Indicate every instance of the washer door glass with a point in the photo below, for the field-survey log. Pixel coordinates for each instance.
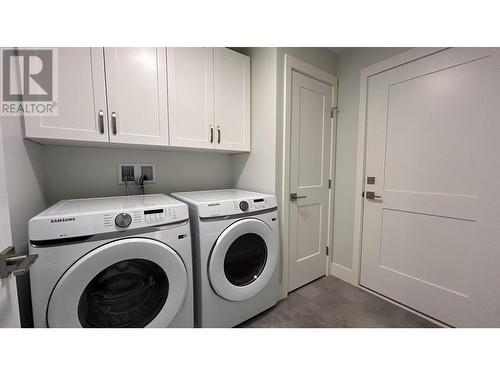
(243, 259)
(129, 293)
(132, 282)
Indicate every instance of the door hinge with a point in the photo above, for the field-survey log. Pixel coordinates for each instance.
(327, 251)
(329, 183)
(333, 111)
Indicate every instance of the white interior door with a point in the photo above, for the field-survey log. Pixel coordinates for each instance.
(310, 133)
(231, 100)
(9, 306)
(431, 240)
(81, 103)
(191, 97)
(137, 99)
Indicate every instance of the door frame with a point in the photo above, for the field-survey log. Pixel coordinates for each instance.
(353, 276)
(294, 64)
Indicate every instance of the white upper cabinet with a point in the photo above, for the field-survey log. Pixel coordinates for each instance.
(190, 97)
(136, 91)
(81, 104)
(231, 100)
(180, 97)
(209, 98)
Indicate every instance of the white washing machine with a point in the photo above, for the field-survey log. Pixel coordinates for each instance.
(112, 262)
(235, 254)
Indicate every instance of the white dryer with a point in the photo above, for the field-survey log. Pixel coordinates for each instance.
(112, 262)
(235, 254)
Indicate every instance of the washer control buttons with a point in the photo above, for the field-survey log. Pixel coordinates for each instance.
(244, 206)
(123, 220)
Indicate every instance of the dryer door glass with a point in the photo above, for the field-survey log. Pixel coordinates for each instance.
(245, 259)
(129, 293)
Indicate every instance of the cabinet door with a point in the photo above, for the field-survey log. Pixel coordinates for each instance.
(232, 100)
(81, 99)
(137, 100)
(190, 97)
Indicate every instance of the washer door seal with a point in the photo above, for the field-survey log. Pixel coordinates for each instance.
(118, 274)
(243, 259)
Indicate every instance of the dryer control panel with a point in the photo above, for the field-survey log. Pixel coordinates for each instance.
(234, 207)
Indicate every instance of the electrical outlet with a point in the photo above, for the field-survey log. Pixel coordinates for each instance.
(127, 173)
(147, 172)
(132, 171)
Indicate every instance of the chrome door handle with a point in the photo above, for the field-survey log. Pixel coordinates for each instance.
(294, 196)
(101, 121)
(218, 134)
(10, 263)
(113, 122)
(211, 134)
(371, 195)
(24, 266)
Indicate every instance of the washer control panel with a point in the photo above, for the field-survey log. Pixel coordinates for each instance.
(244, 206)
(160, 216)
(154, 216)
(123, 220)
(146, 218)
(84, 217)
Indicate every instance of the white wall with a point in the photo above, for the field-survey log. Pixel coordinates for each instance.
(257, 170)
(349, 65)
(9, 316)
(23, 172)
(260, 170)
(81, 172)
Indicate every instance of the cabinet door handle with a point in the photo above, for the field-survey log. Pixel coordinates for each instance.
(218, 134)
(101, 121)
(211, 134)
(113, 122)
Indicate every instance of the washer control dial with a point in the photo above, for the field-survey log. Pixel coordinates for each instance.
(123, 220)
(244, 206)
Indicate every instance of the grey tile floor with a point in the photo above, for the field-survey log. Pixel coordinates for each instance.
(331, 302)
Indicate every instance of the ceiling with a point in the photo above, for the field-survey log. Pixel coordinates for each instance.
(337, 49)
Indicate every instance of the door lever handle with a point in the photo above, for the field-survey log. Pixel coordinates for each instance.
(371, 195)
(294, 196)
(17, 265)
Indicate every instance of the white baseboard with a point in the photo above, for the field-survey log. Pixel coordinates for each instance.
(343, 273)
